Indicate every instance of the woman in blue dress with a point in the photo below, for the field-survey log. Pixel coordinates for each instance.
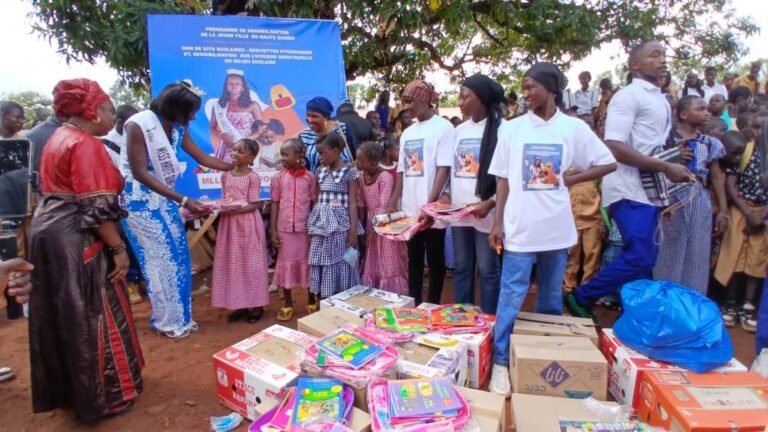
(154, 226)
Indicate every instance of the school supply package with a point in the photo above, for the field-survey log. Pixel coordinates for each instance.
(433, 356)
(359, 300)
(447, 212)
(397, 226)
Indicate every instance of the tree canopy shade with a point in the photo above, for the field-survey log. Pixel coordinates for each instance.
(397, 40)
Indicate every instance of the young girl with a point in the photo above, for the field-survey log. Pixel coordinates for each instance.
(333, 224)
(390, 156)
(240, 280)
(685, 247)
(293, 190)
(385, 260)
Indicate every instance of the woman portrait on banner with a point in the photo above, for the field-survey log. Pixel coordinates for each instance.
(319, 113)
(154, 226)
(233, 114)
(84, 350)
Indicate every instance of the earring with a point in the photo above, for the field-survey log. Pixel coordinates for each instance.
(97, 120)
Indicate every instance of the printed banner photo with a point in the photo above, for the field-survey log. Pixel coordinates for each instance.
(257, 74)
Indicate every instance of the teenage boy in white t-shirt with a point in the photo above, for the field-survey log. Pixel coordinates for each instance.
(538, 156)
(422, 172)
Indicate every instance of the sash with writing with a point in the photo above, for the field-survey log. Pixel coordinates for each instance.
(224, 124)
(160, 151)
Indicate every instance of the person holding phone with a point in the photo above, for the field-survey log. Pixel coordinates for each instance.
(84, 350)
(15, 280)
(154, 226)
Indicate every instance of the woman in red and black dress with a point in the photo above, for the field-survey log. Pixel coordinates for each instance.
(84, 349)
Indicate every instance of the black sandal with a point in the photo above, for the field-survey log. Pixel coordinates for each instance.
(236, 315)
(255, 315)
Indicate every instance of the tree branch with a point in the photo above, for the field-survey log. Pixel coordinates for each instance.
(485, 30)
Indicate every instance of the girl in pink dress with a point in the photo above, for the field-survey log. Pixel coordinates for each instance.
(293, 190)
(385, 260)
(240, 281)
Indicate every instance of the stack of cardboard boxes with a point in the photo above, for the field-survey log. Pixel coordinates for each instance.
(252, 374)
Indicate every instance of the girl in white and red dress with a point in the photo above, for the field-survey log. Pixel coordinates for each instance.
(240, 281)
(385, 260)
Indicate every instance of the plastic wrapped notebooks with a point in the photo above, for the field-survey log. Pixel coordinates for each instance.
(279, 418)
(399, 230)
(351, 348)
(385, 335)
(340, 370)
(418, 405)
(458, 319)
(447, 212)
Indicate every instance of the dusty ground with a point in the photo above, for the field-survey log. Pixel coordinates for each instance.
(179, 384)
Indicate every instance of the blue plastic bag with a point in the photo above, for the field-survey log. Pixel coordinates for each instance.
(674, 324)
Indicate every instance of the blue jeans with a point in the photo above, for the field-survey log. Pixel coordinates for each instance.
(637, 224)
(515, 280)
(761, 339)
(470, 248)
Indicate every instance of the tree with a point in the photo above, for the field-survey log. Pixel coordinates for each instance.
(37, 107)
(398, 40)
(123, 94)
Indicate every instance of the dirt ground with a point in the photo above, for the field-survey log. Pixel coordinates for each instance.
(179, 382)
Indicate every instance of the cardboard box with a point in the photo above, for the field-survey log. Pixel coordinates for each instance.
(359, 300)
(418, 358)
(487, 409)
(549, 414)
(713, 402)
(479, 351)
(569, 367)
(259, 368)
(626, 367)
(555, 325)
(359, 421)
(327, 320)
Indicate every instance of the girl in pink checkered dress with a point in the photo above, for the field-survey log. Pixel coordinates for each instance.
(240, 280)
(386, 261)
(293, 191)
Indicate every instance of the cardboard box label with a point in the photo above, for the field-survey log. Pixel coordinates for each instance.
(732, 398)
(554, 375)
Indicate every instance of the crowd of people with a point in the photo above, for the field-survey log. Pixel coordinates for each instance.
(576, 192)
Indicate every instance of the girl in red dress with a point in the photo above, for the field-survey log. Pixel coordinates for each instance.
(240, 280)
(385, 260)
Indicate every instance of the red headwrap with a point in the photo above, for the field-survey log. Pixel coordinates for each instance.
(78, 97)
(418, 90)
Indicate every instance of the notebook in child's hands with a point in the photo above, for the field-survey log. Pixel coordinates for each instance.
(318, 399)
(354, 350)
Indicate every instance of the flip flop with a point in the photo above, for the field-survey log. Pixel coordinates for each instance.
(312, 308)
(285, 314)
(6, 373)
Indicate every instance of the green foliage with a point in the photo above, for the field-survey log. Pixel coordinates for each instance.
(37, 106)
(136, 96)
(394, 41)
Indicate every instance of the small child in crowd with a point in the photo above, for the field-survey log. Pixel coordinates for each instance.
(686, 233)
(744, 245)
(333, 223)
(386, 261)
(293, 190)
(391, 155)
(584, 257)
(240, 280)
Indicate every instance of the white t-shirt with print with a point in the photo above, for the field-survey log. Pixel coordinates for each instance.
(532, 154)
(424, 146)
(464, 170)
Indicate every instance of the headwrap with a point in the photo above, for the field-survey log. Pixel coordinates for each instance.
(491, 95)
(418, 90)
(321, 106)
(78, 97)
(549, 76)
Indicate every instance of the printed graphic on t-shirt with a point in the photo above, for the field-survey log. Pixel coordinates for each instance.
(466, 159)
(414, 158)
(541, 166)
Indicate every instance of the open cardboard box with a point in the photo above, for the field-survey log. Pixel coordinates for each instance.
(549, 414)
(259, 368)
(487, 408)
(528, 323)
(360, 300)
(570, 367)
(417, 358)
(327, 320)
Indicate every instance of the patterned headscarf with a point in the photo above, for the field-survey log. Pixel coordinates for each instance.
(78, 97)
(418, 90)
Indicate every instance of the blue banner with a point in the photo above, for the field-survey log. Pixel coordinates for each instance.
(258, 75)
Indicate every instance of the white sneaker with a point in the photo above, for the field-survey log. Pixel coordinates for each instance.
(273, 288)
(500, 381)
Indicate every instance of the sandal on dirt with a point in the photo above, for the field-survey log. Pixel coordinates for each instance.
(312, 308)
(285, 314)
